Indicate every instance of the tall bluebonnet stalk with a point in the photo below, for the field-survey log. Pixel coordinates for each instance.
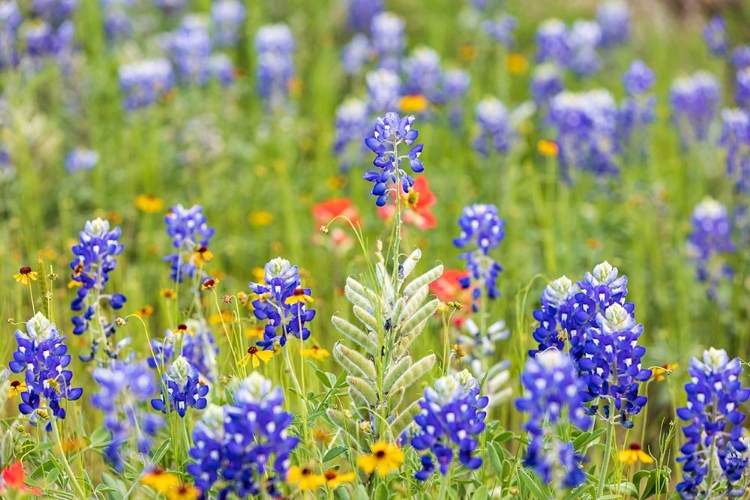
(144, 83)
(552, 400)
(195, 342)
(709, 241)
(449, 424)
(546, 82)
(424, 75)
(716, 37)
(481, 358)
(42, 356)
(351, 124)
(694, 102)
(613, 16)
(361, 12)
(282, 304)
(735, 140)
(740, 57)
(501, 29)
(495, 131)
(383, 89)
(227, 17)
(181, 388)
(742, 88)
(117, 22)
(243, 447)
(637, 110)
(355, 54)
(598, 326)
(191, 236)
(714, 455)
(274, 48)
(94, 260)
(552, 42)
(583, 40)
(483, 229)
(457, 84)
(81, 159)
(388, 40)
(124, 389)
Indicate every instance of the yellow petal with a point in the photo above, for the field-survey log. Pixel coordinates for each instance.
(294, 474)
(645, 457)
(366, 463)
(256, 361)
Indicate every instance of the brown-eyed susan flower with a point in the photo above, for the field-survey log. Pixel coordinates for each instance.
(334, 479)
(209, 284)
(182, 328)
(145, 311)
(385, 458)
(305, 478)
(184, 492)
(168, 293)
(160, 480)
(457, 353)
(315, 353)
(517, 63)
(255, 356)
(16, 388)
(660, 372)
(634, 454)
(260, 218)
(149, 204)
(299, 297)
(547, 148)
(414, 103)
(25, 275)
(322, 435)
(202, 255)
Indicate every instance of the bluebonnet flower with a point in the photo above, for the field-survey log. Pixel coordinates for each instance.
(501, 30)
(42, 41)
(714, 434)
(227, 17)
(42, 356)
(482, 226)
(221, 69)
(355, 54)
(282, 303)
(190, 235)
(81, 159)
(551, 386)
(741, 57)
(637, 110)
(387, 34)
(171, 7)
(389, 132)
(715, 36)
(583, 40)
(451, 418)
(7, 170)
(694, 101)
(361, 13)
(351, 125)
(117, 23)
(123, 388)
(613, 17)
(189, 48)
(181, 389)
(455, 87)
(742, 88)
(735, 140)
(424, 76)
(10, 20)
(274, 47)
(54, 12)
(194, 341)
(143, 83)
(243, 441)
(710, 238)
(586, 125)
(592, 317)
(93, 262)
(552, 42)
(546, 82)
(494, 126)
(383, 90)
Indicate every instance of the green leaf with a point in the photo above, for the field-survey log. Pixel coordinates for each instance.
(381, 493)
(495, 461)
(161, 450)
(502, 437)
(100, 438)
(530, 485)
(323, 379)
(480, 493)
(586, 438)
(334, 452)
(360, 493)
(651, 485)
(44, 469)
(114, 483)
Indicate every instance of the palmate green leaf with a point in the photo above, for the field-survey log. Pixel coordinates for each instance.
(530, 486)
(100, 438)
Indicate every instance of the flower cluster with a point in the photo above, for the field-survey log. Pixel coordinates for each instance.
(694, 101)
(238, 444)
(742, 87)
(390, 131)
(227, 17)
(574, 49)
(424, 75)
(117, 24)
(501, 29)
(546, 82)
(274, 47)
(716, 37)
(714, 434)
(93, 262)
(613, 17)
(482, 226)
(43, 357)
(451, 416)
(551, 386)
(600, 328)
(494, 127)
(388, 41)
(383, 89)
(637, 110)
(143, 83)
(586, 125)
(735, 140)
(351, 124)
(123, 388)
(81, 159)
(282, 303)
(189, 48)
(711, 237)
(361, 13)
(190, 235)
(181, 389)
(194, 341)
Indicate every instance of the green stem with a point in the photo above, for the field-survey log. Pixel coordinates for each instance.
(605, 461)
(298, 388)
(66, 465)
(444, 486)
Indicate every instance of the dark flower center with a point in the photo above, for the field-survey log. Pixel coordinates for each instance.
(635, 446)
(380, 453)
(252, 350)
(25, 270)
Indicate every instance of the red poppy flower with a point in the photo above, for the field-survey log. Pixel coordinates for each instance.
(418, 205)
(339, 207)
(14, 477)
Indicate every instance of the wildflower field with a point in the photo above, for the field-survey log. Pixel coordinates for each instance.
(354, 249)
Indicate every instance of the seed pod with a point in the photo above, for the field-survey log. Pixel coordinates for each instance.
(411, 262)
(420, 315)
(415, 372)
(366, 318)
(405, 418)
(395, 399)
(354, 362)
(365, 388)
(355, 334)
(424, 279)
(348, 425)
(394, 372)
(412, 304)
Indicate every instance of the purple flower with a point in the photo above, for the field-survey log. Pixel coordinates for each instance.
(383, 90)
(501, 30)
(227, 17)
(361, 13)
(546, 82)
(494, 127)
(715, 36)
(694, 101)
(735, 139)
(274, 48)
(81, 159)
(190, 233)
(710, 238)
(613, 17)
(143, 83)
(351, 124)
(181, 389)
(552, 42)
(356, 54)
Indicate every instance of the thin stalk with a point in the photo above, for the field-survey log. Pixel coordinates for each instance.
(66, 465)
(605, 461)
